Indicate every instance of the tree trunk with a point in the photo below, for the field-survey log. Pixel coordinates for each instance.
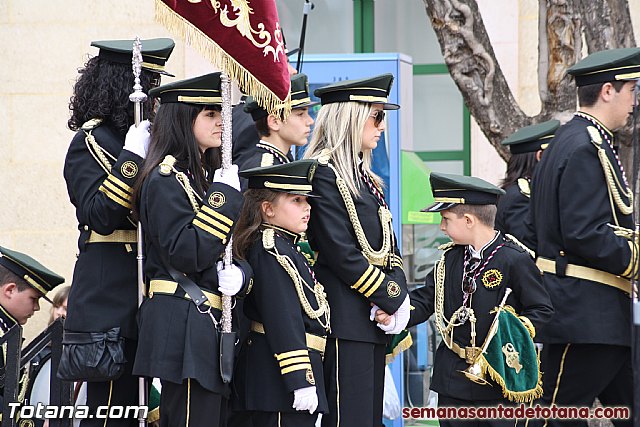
(472, 64)
(559, 33)
(468, 53)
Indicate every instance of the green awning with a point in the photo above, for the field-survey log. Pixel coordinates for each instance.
(416, 191)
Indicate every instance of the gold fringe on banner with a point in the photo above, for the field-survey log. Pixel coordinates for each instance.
(248, 83)
(514, 396)
(403, 345)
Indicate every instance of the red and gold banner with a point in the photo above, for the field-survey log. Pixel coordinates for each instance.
(241, 37)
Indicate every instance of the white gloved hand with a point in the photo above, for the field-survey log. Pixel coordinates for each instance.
(137, 139)
(399, 319)
(230, 279)
(229, 177)
(372, 313)
(305, 399)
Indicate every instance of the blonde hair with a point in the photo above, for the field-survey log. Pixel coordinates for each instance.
(338, 129)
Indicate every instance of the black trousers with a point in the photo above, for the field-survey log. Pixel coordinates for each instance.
(121, 392)
(189, 404)
(354, 378)
(575, 374)
(450, 402)
(283, 419)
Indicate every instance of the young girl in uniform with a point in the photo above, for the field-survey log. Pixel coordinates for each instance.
(358, 259)
(279, 376)
(188, 209)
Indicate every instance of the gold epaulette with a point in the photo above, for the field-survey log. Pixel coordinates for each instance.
(91, 124)
(268, 239)
(522, 245)
(166, 167)
(596, 138)
(445, 246)
(324, 157)
(267, 160)
(523, 185)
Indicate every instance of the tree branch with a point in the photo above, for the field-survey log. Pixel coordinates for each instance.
(473, 66)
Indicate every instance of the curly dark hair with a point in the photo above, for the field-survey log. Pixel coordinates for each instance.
(102, 92)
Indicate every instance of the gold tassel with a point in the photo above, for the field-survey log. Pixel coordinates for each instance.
(402, 346)
(513, 396)
(192, 36)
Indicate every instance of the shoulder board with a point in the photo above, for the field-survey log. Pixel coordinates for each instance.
(323, 158)
(596, 138)
(166, 167)
(91, 124)
(519, 245)
(268, 239)
(267, 160)
(523, 185)
(446, 246)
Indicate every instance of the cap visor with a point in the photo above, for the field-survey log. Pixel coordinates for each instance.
(303, 194)
(308, 104)
(164, 73)
(438, 207)
(390, 106)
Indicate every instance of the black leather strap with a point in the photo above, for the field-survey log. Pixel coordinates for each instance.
(188, 286)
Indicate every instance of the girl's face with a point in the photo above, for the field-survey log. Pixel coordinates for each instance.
(60, 310)
(373, 128)
(207, 129)
(289, 211)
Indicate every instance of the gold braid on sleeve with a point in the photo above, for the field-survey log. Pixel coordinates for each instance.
(191, 193)
(299, 283)
(382, 256)
(444, 326)
(98, 153)
(615, 186)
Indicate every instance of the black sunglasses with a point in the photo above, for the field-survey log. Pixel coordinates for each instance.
(155, 81)
(469, 285)
(378, 117)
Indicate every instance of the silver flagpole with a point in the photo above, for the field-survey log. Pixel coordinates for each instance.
(226, 164)
(138, 97)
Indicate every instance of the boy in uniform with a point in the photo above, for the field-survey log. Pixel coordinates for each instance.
(582, 217)
(468, 282)
(278, 136)
(23, 281)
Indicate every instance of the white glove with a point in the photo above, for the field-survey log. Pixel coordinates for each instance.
(305, 399)
(399, 319)
(230, 279)
(137, 139)
(372, 313)
(229, 177)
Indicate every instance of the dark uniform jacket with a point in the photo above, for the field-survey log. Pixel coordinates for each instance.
(571, 212)
(6, 323)
(244, 134)
(352, 282)
(262, 154)
(513, 209)
(104, 291)
(509, 267)
(176, 340)
(275, 363)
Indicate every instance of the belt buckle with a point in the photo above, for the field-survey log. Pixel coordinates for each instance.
(471, 354)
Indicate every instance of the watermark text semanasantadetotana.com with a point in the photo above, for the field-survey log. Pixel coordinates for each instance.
(41, 411)
(518, 412)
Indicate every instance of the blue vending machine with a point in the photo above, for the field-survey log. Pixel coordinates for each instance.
(326, 69)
